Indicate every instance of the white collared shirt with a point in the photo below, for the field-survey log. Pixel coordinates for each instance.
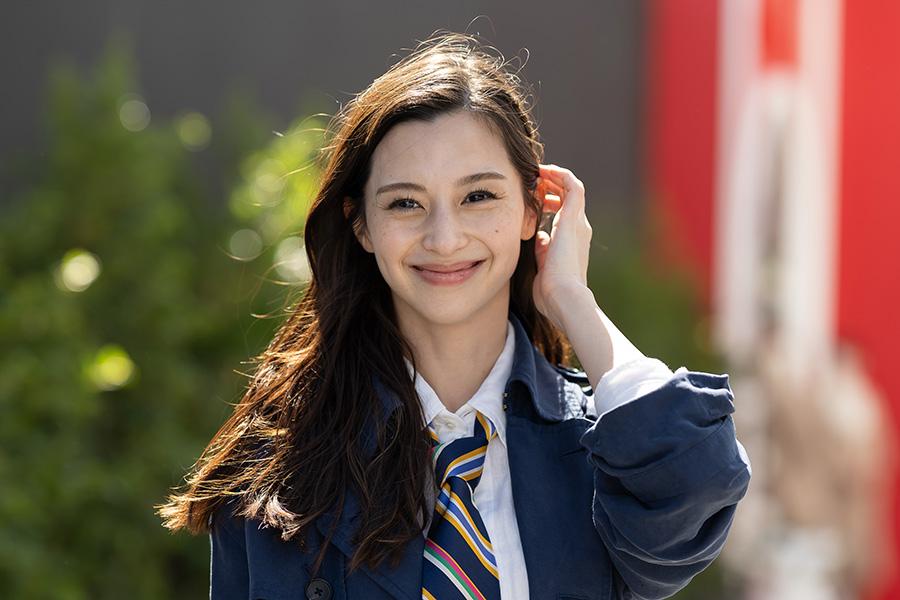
(493, 496)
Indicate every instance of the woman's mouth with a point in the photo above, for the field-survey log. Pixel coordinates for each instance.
(447, 274)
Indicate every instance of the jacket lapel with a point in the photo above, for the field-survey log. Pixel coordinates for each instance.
(552, 494)
(403, 582)
(552, 485)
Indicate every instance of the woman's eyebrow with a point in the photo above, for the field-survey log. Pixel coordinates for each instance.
(400, 185)
(462, 182)
(476, 177)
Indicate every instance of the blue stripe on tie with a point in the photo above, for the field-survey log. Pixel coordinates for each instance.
(479, 538)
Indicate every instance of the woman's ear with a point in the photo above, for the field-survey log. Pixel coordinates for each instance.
(530, 219)
(529, 224)
(358, 225)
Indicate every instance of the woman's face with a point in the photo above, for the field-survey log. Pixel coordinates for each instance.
(444, 217)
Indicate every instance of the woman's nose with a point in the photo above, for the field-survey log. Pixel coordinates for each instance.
(445, 232)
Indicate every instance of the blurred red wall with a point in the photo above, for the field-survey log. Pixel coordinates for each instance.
(869, 271)
(681, 154)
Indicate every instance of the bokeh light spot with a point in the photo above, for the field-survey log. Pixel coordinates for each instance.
(268, 182)
(270, 173)
(260, 192)
(77, 271)
(111, 369)
(245, 244)
(291, 262)
(194, 131)
(133, 112)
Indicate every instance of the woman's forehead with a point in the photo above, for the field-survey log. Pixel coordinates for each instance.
(450, 147)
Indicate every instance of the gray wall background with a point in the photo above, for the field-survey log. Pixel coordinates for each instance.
(585, 64)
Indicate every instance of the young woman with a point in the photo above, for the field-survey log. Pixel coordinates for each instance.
(430, 335)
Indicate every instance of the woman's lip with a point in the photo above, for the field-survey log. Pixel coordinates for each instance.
(447, 274)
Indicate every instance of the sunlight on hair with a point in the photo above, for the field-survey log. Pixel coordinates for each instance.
(194, 131)
(111, 368)
(77, 271)
(133, 112)
(290, 260)
(245, 244)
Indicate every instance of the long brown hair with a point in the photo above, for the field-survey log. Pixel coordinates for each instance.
(331, 408)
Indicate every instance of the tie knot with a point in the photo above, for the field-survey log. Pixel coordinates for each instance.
(463, 457)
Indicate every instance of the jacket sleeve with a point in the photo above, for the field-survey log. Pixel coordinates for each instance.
(668, 475)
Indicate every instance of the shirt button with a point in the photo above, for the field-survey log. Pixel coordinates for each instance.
(450, 425)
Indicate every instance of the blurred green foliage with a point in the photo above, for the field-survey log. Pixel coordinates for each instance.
(128, 289)
(123, 317)
(658, 309)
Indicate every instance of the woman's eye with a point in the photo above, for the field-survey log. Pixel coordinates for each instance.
(404, 204)
(480, 196)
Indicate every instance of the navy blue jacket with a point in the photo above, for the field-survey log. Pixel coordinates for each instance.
(630, 506)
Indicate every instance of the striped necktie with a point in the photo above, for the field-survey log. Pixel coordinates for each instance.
(459, 559)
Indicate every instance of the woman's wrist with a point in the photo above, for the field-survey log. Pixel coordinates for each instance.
(597, 342)
(567, 305)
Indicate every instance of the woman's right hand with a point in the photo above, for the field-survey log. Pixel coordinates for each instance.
(561, 292)
(562, 254)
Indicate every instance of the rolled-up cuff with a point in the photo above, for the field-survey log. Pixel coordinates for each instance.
(629, 381)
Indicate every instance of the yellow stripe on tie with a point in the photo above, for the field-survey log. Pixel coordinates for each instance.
(474, 454)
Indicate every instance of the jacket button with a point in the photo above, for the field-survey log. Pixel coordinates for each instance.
(318, 589)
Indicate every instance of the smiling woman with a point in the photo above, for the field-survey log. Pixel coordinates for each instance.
(445, 215)
(410, 431)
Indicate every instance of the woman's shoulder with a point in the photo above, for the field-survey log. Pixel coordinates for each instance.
(250, 558)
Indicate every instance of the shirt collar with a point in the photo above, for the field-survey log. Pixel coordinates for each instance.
(489, 398)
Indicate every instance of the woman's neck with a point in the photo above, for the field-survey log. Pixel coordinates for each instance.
(456, 359)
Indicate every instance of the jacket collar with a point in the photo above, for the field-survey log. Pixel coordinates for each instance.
(546, 388)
